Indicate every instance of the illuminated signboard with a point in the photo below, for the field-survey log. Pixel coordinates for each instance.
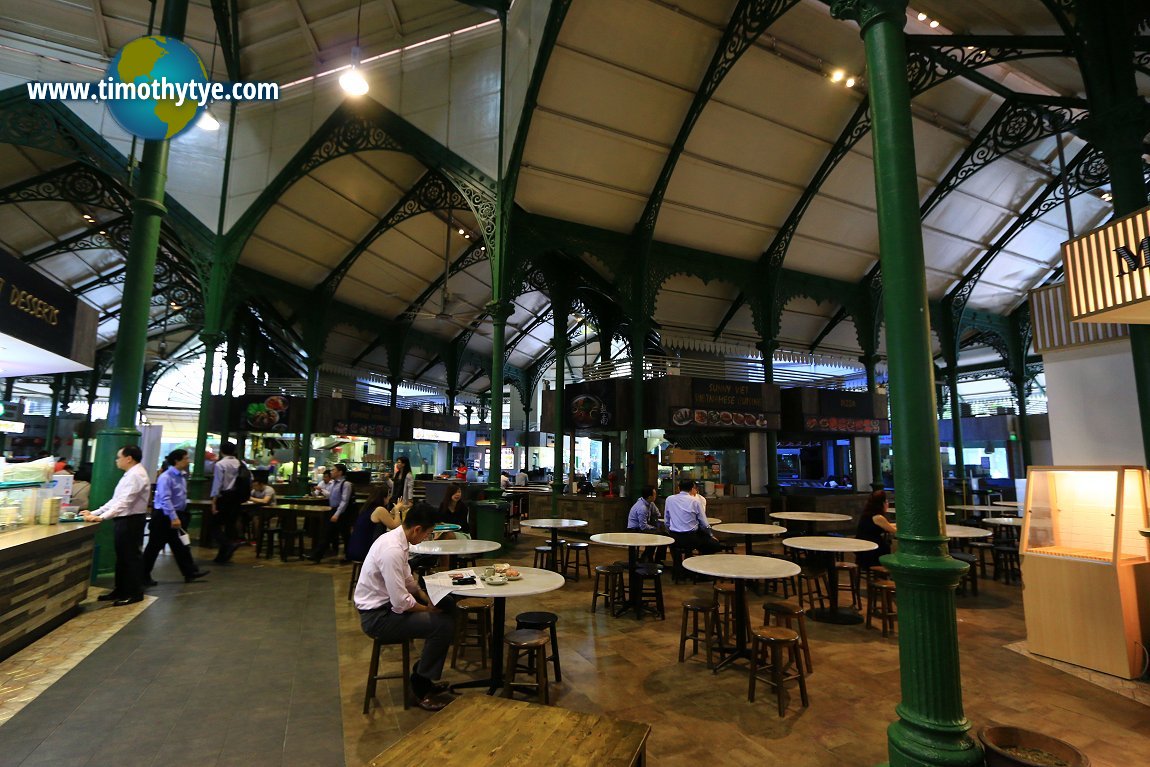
(12, 427)
(1108, 272)
(431, 435)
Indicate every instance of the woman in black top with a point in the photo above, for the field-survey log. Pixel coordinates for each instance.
(455, 512)
(875, 527)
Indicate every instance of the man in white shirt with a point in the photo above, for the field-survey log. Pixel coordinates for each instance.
(128, 510)
(687, 522)
(337, 526)
(392, 606)
(521, 479)
(225, 502)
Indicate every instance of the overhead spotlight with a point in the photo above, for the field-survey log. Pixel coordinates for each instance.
(837, 75)
(88, 218)
(933, 23)
(208, 121)
(1107, 196)
(461, 231)
(352, 82)
(922, 17)
(467, 236)
(103, 232)
(850, 82)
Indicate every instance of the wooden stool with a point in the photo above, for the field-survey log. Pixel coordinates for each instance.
(270, 537)
(785, 614)
(774, 640)
(877, 573)
(724, 597)
(374, 676)
(356, 567)
(971, 576)
(542, 557)
(1006, 561)
(882, 593)
(480, 610)
(711, 627)
(980, 549)
(853, 581)
(811, 582)
(612, 589)
(654, 574)
(543, 621)
(534, 644)
(577, 548)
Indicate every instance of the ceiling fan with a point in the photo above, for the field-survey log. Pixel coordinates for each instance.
(446, 312)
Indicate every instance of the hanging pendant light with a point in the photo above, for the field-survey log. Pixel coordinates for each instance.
(352, 81)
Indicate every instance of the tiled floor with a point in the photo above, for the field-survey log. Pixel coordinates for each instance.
(262, 663)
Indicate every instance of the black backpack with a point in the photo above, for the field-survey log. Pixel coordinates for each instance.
(242, 487)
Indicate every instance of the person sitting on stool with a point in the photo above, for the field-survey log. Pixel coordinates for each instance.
(393, 607)
(687, 523)
(643, 518)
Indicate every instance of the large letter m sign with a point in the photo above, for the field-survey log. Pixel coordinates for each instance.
(1130, 262)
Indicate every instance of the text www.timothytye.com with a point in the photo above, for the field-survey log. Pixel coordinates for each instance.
(158, 90)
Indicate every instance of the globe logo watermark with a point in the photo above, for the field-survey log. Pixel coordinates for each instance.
(142, 67)
(156, 88)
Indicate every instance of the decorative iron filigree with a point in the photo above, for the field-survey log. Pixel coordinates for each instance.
(356, 134)
(75, 183)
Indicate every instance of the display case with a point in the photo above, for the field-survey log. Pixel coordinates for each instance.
(1086, 567)
(19, 504)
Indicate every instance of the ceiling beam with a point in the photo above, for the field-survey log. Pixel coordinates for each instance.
(305, 28)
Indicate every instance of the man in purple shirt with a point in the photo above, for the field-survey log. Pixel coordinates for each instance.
(392, 606)
(168, 508)
(338, 525)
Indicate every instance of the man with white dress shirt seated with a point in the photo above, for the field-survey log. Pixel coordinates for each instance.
(687, 521)
(393, 607)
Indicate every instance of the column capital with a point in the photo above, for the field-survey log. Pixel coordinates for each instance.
(868, 12)
(869, 359)
(500, 311)
(767, 347)
(211, 339)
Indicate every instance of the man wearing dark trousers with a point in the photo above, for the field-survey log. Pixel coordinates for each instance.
(128, 511)
(687, 523)
(392, 606)
(168, 510)
(337, 527)
(225, 502)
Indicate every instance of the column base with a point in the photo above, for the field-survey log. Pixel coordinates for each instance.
(909, 746)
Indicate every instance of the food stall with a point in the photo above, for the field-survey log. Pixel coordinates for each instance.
(1087, 567)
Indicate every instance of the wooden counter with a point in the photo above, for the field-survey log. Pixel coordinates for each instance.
(44, 574)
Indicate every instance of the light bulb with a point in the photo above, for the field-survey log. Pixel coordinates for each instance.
(352, 82)
(922, 17)
(850, 82)
(208, 121)
(837, 75)
(933, 23)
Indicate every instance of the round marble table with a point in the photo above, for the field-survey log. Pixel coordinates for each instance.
(809, 518)
(1145, 531)
(714, 521)
(455, 547)
(740, 568)
(554, 525)
(633, 542)
(1007, 504)
(1003, 521)
(532, 581)
(964, 531)
(825, 547)
(890, 510)
(973, 509)
(749, 530)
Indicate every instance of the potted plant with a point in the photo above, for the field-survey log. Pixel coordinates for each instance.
(1016, 747)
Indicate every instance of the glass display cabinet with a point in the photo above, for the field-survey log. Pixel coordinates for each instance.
(19, 504)
(1086, 566)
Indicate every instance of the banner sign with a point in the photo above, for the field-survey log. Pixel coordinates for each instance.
(35, 309)
(723, 419)
(366, 420)
(591, 405)
(726, 395)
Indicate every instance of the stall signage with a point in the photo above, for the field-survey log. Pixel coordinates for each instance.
(35, 309)
(367, 420)
(591, 405)
(726, 395)
(432, 435)
(842, 425)
(722, 419)
(846, 403)
(438, 422)
(264, 414)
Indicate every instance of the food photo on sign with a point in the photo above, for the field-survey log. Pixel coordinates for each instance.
(268, 414)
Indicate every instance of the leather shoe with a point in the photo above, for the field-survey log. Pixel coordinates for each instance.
(196, 574)
(438, 687)
(428, 703)
(111, 596)
(128, 601)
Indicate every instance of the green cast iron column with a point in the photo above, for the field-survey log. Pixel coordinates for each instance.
(956, 424)
(1117, 125)
(93, 387)
(869, 361)
(932, 728)
(1023, 421)
(132, 336)
(637, 447)
(9, 386)
(303, 478)
(231, 362)
(774, 490)
(57, 387)
(200, 485)
(561, 344)
(498, 349)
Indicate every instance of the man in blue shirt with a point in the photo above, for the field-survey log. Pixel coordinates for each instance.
(338, 525)
(169, 516)
(642, 518)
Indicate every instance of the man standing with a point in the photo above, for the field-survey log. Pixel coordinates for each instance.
(687, 523)
(392, 606)
(225, 502)
(338, 525)
(127, 510)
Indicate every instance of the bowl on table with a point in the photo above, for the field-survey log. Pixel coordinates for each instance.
(495, 580)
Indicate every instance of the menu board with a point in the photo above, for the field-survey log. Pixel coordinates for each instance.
(843, 425)
(591, 405)
(265, 414)
(366, 420)
(683, 417)
(723, 396)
